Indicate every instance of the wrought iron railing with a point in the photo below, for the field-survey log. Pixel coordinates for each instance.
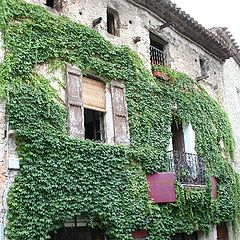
(189, 168)
(157, 56)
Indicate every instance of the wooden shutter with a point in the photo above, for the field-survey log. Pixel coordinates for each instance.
(75, 103)
(120, 115)
(162, 187)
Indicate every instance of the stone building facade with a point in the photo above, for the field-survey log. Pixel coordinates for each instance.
(231, 103)
(183, 46)
(231, 71)
(187, 47)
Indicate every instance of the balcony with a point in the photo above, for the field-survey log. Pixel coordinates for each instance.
(157, 56)
(189, 168)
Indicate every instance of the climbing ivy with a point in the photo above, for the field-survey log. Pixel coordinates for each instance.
(62, 177)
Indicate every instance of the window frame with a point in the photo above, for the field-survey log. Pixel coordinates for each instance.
(116, 128)
(158, 49)
(204, 66)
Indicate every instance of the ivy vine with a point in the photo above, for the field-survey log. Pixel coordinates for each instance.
(62, 177)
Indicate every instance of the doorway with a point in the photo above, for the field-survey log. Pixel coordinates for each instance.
(222, 231)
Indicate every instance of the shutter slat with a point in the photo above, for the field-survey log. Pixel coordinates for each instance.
(120, 114)
(75, 102)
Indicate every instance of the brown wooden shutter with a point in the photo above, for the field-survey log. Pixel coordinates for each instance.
(120, 114)
(75, 103)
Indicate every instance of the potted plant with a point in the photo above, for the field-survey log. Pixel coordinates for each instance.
(159, 73)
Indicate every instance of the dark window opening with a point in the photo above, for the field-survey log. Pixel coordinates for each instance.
(177, 136)
(157, 46)
(110, 23)
(184, 236)
(222, 231)
(94, 125)
(203, 67)
(113, 24)
(78, 233)
(50, 3)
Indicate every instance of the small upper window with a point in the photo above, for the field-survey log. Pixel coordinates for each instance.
(50, 3)
(203, 66)
(112, 22)
(157, 46)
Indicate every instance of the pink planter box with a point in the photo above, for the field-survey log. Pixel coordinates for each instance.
(213, 181)
(140, 234)
(161, 187)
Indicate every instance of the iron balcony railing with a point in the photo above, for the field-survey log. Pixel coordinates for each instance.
(189, 168)
(157, 56)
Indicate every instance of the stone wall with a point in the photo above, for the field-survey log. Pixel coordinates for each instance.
(232, 101)
(136, 21)
(3, 164)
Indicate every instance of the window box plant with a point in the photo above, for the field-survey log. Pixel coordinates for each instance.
(158, 72)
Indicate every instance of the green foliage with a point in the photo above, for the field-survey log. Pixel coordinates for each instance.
(62, 177)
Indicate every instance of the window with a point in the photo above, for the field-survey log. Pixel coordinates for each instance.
(187, 165)
(183, 137)
(50, 3)
(94, 103)
(76, 229)
(95, 111)
(88, 108)
(76, 233)
(203, 66)
(157, 45)
(113, 23)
